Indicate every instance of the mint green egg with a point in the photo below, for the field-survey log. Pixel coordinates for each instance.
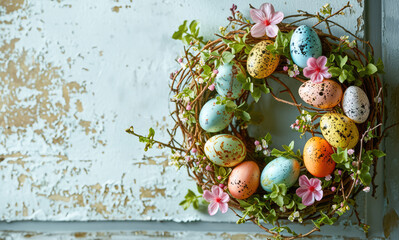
(280, 170)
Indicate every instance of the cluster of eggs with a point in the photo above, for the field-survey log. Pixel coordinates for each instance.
(337, 129)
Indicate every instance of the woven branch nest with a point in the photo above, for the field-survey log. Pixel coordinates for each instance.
(195, 137)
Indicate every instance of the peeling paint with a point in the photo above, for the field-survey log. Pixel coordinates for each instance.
(74, 75)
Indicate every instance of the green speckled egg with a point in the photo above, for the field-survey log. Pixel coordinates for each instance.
(225, 150)
(280, 170)
(261, 63)
(339, 130)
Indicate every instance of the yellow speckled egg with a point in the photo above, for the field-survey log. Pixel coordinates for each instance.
(225, 150)
(339, 130)
(261, 63)
(244, 180)
(326, 94)
(317, 157)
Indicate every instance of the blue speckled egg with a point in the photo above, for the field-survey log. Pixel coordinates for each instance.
(214, 117)
(226, 82)
(280, 170)
(225, 150)
(304, 44)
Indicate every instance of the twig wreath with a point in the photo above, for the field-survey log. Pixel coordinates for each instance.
(341, 86)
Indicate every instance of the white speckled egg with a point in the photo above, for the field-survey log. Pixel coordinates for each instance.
(305, 43)
(226, 82)
(356, 104)
(214, 117)
(225, 150)
(280, 170)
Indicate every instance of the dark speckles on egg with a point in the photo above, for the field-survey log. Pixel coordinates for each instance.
(261, 63)
(321, 95)
(317, 157)
(356, 104)
(339, 130)
(304, 44)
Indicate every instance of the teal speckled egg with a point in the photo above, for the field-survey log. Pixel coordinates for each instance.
(214, 117)
(280, 170)
(305, 43)
(225, 150)
(226, 82)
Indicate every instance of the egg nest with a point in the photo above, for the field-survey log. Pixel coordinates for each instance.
(194, 137)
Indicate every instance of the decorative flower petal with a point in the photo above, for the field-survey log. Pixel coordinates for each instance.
(271, 31)
(277, 18)
(268, 9)
(225, 197)
(213, 208)
(312, 62)
(326, 74)
(318, 195)
(301, 191)
(258, 30)
(224, 207)
(257, 15)
(216, 190)
(304, 181)
(308, 198)
(314, 182)
(317, 78)
(308, 71)
(208, 196)
(321, 61)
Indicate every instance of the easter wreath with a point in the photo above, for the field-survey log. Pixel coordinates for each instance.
(340, 83)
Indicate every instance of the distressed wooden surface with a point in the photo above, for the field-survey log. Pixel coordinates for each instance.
(74, 75)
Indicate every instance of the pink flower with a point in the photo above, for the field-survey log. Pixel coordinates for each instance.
(333, 189)
(328, 177)
(266, 20)
(285, 68)
(221, 185)
(180, 60)
(217, 199)
(316, 69)
(219, 177)
(256, 143)
(351, 151)
(208, 168)
(215, 71)
(188, 107)
(204, 158)
(211, 87)
(366, 189)
(309, 190)
(194, 150)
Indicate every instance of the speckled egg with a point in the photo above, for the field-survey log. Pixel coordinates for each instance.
(244, 180)
(260, 62)
(280, 170)
(339, 130)
(305, 43)
(356, 104)
(326, 94)
(317, 157)
(214, 117)
(225, 150)
(226, 83)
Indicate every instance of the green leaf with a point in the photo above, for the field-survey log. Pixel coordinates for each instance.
(264, 88)
(207, 69)
(341, 60)
(335, 71)
(179, 33)
(193, 26)
(343, 76)
(230, 106)
(245, 116)
(215, 54)
(243, 203)
(241, 78)
(256, 94)
(378, 153)
(371, 69)
(380, 66)
(227, 57)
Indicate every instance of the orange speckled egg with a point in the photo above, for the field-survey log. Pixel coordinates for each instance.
(261, 62)
(326, 94)
(244, 180)
(317, 157)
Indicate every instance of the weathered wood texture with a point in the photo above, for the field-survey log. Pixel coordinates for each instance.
(74, 75)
